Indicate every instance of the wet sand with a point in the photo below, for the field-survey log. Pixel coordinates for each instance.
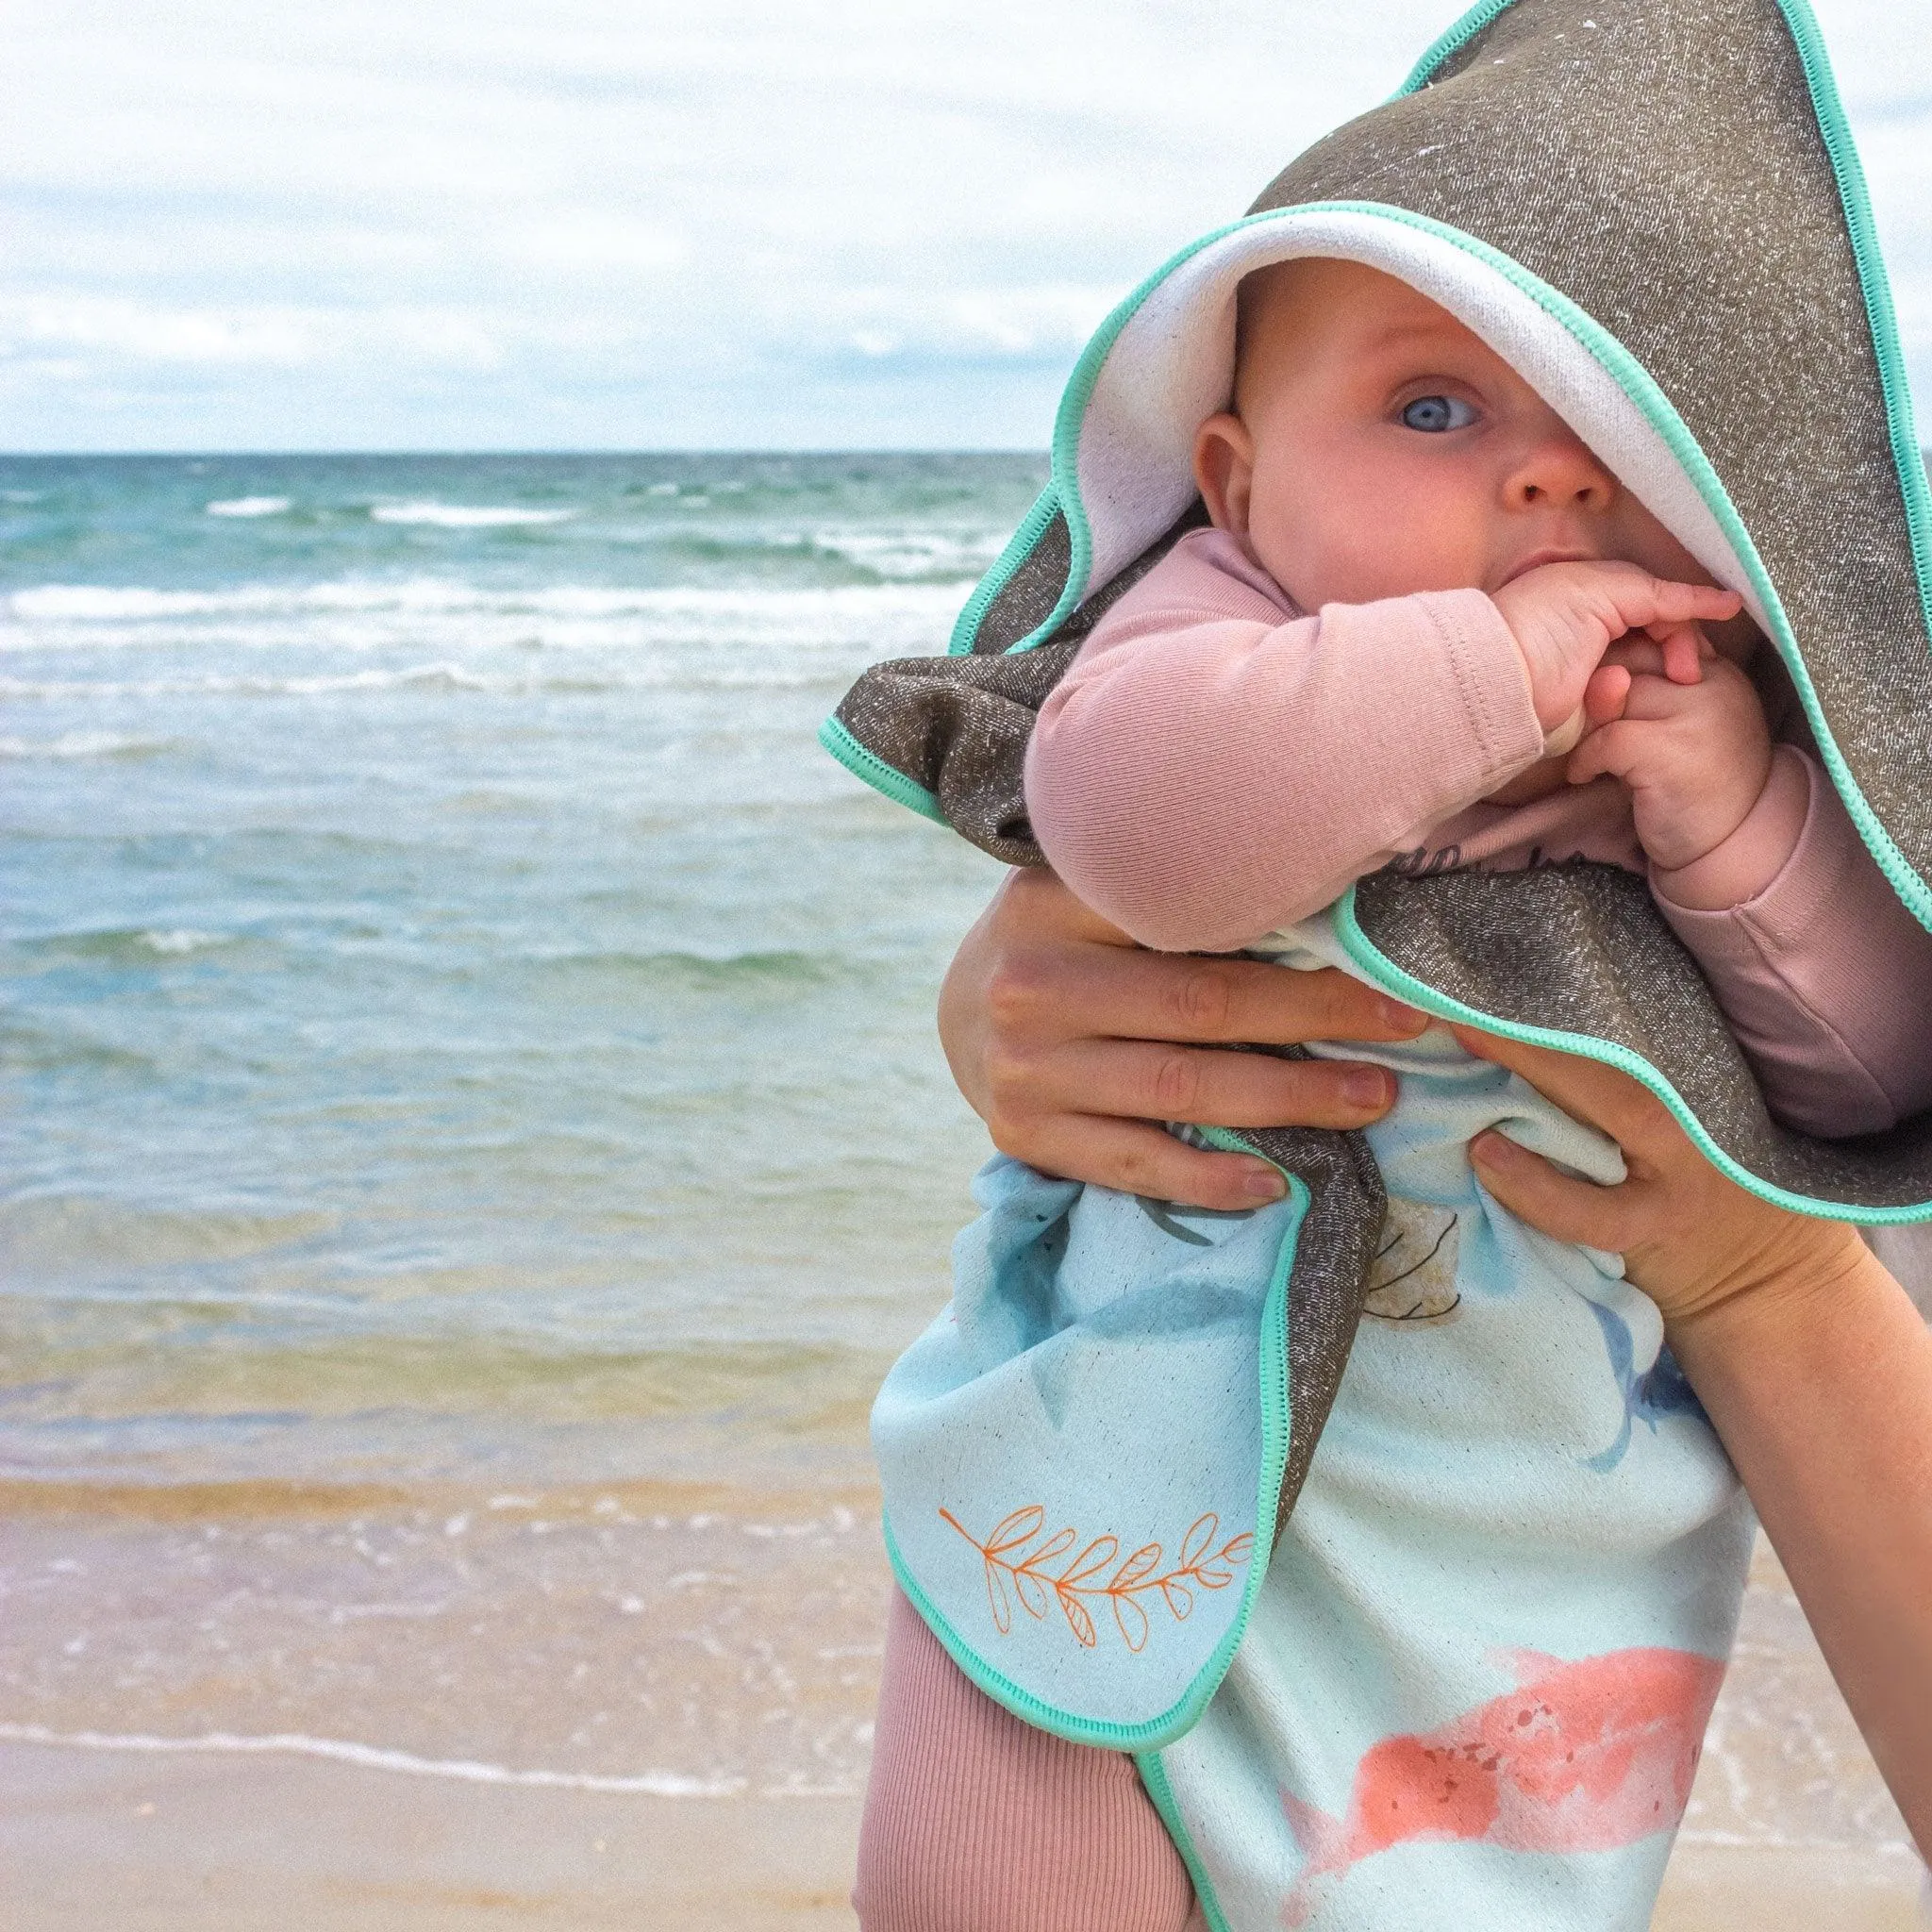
(151, 1844)
(1788, 1830)
(222, 1843)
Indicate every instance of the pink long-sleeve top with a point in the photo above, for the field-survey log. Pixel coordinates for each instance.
(1216, 765)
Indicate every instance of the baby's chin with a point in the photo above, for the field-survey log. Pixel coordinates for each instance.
(1539, 781)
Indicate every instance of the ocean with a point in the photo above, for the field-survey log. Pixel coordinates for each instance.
(474, 1088)
(477, 1137)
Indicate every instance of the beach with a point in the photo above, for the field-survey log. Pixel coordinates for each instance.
(478, 1141)
(1789, 1828)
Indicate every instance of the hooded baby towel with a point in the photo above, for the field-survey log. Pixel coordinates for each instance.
(1519, 1542)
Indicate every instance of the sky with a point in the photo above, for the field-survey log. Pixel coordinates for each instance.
(636, 225)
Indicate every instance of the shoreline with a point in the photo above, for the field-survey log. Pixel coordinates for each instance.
(221, 1839)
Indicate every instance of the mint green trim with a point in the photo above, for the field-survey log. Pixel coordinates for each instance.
(1019, 548)
(1446, 44)
(1073, 414)
(1877, 287)
(1849, 173)
(1641, 387)
(1636, 382)
(1182, 1714)
(1882, 320)
(876, 772)
(1384, 972)
(1154, 1775)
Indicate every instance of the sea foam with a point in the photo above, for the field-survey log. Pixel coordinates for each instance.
(651, 1784)
(462, 516)
(81, 744)
(119, 603)
(248, 507)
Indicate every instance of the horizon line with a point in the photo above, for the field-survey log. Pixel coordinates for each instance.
(911, 449)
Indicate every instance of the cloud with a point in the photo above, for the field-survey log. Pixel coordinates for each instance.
(260, 223)
(67, 328)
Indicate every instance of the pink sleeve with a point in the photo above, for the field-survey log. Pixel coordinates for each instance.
(1201, 778)
(1825, 978)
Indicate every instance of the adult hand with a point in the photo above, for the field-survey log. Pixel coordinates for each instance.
(1812, 1363)
(1070, 1042)
(1690, 1238)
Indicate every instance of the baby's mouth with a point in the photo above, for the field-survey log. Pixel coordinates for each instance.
(1536, 559)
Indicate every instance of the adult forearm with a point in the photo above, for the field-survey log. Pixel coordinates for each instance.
(1822, 1395)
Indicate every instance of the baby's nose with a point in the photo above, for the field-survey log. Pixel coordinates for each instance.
(1559, 472)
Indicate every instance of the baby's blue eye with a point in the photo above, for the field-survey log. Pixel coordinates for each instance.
(1437, 413)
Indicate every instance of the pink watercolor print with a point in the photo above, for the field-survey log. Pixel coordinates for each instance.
(1582, 1756)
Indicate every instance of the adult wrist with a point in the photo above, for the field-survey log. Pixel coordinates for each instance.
(1789, 1300)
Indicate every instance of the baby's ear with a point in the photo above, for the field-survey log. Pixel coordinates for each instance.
(1225, 470)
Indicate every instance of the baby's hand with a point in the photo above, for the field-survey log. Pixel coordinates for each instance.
(1695, 755)
(1565, 616)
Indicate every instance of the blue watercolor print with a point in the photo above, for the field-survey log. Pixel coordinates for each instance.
(1661, 1391)
(1167, 1216)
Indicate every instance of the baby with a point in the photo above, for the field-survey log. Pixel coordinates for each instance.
(1428, 629)
(1502, 664)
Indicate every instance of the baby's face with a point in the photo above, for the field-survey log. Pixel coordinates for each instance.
(1378, 448)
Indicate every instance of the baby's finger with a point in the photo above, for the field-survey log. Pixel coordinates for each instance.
(1638, 652)
(1562, 1207)
(1683, 650)
(1678, 603)
(1608, 748)
(1604, 695)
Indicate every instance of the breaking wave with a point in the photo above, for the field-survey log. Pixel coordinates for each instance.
(462, 516)
(80, 604)
(248, 507)
(651, 1784)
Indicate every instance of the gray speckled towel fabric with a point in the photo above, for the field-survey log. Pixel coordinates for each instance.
(1667, 165)
(1678, 171)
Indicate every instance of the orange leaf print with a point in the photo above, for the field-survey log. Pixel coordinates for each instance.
(1011, 1574)
(1080, 1618)
(1096, 1555)
(1022, 1526)
(996, 1596)
(1031, 1592)
(1197, 1539)
(1059, 1542)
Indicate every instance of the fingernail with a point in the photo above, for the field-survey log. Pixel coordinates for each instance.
(1493, 1149)
(1365, 1087)
(1264, 1184)
(1403, 1018)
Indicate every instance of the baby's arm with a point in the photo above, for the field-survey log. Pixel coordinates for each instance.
(1825, 976)
(1821, 972)
(1207, 772)
(1200, 778)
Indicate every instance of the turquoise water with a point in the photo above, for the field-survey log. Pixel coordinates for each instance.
(456, 1019)
(475, 1136)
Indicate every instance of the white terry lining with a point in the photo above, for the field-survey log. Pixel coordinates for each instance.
(1171, 367)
